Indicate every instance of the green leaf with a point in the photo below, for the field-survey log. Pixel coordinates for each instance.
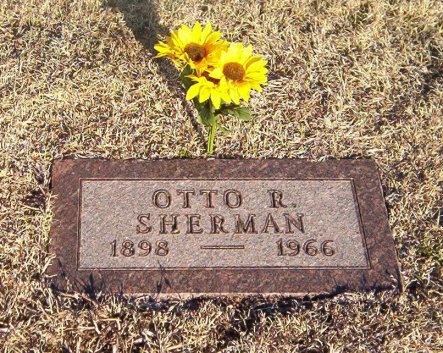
(240, 112)
(225, 109)
(223, 129)
(206, 115)
(187, 82)
(243, 113)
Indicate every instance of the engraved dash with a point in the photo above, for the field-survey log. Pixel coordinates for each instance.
(222, 247)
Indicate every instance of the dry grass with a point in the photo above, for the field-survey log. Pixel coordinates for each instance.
(348, 79)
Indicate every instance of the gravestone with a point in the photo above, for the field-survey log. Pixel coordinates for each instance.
(211, 227)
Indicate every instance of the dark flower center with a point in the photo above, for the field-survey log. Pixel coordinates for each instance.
(234, 71)
(195, 51)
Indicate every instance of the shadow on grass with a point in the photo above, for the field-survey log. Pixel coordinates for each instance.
(142, 19)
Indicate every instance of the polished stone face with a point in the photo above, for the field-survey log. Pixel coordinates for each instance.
(221, 226)
(281, 223)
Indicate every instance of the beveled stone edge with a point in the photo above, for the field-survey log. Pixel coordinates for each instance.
(114, 164)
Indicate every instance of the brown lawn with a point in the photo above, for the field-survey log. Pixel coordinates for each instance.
(348, 79)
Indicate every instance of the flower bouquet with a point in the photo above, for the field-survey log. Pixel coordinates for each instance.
(216, 74)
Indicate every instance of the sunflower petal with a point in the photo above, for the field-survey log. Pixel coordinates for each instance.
(193, 91)
(255, 65)
(197, 32)
(213, 37)
(244, 92)
(216, 99)
(206, 32)
(205, 93)
(216, 73)
(185, 34)
(248, 50)
(225, 96)
(234, 95)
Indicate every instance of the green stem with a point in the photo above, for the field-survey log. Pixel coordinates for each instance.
(211, 136)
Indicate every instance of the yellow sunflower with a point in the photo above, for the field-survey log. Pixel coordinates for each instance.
(200, 48)
(208, 88)
(240, 71)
